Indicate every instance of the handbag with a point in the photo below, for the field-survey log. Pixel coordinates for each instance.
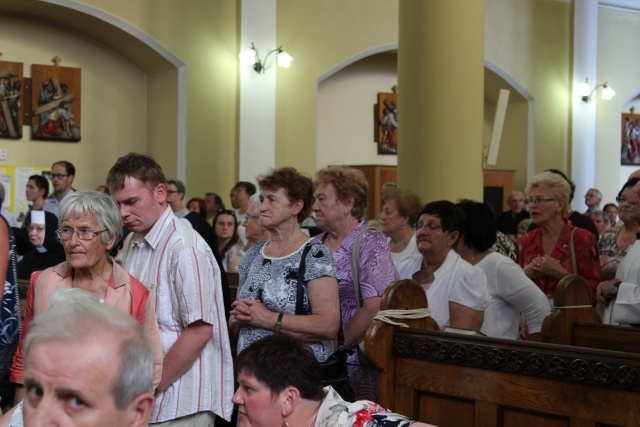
(334, 369)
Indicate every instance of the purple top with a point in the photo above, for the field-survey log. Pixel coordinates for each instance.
(376, 268)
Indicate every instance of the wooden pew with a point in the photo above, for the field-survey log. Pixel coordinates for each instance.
(453, 380)
(575, 322)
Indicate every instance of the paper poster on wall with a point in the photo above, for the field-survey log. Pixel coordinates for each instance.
(6, 176)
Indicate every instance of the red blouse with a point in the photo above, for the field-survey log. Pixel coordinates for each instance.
(587, 259)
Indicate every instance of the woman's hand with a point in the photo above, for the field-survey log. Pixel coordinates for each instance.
(545, 266)
(253, 312)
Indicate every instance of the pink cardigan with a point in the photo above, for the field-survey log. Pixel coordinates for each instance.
(124, 291)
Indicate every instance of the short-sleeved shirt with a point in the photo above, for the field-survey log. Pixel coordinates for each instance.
(274, 281)
(179, 269)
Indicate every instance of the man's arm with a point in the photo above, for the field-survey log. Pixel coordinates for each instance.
(184, 352)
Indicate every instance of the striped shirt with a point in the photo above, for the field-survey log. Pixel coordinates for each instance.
(179, 269)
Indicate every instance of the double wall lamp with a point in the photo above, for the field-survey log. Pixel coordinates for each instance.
(584, 90)
(251, 57)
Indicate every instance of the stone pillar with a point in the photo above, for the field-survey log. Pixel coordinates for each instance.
(441, 98)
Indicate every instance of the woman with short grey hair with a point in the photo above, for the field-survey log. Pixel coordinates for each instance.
(90, 225)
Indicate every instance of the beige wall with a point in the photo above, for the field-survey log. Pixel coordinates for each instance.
(114, 110)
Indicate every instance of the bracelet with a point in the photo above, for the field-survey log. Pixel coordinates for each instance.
(278, 325)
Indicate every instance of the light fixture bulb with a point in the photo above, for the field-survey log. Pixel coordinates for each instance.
(284, 59)
(248, 57)
(583, 89)
(607, 92)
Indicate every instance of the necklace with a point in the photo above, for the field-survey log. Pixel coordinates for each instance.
(288, 247)
(315, 414)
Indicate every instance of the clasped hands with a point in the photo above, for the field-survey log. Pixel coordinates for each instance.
(545, 266)
(252, 312)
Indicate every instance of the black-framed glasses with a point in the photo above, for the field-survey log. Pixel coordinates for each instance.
(65, 233)
(429, 226)
(538, 200)
(58, 175)
(226, 212)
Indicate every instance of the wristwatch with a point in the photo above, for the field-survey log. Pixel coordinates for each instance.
(614, 288)
(278, 325)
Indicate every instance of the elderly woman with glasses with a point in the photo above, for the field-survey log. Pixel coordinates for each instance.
(254, 232)
(457, 291)
(90, 225)
(615, 242)
(546, 254)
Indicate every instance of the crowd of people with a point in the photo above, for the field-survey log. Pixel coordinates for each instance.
(311, 269)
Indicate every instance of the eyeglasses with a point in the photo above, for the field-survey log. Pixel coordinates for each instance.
(65, 233)
(539, 200)
(226, 212)
(58, 176)
(247, 217)
(430, 226)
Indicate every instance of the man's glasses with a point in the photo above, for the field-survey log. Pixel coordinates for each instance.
(65, 233)
(58, 175)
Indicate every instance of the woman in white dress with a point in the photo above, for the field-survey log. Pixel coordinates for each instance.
(399, 213)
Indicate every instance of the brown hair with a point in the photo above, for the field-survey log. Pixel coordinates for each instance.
(139, 166)
(407, 203)
(348, 183)
(296, 185)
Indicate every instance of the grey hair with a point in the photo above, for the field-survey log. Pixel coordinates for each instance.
(75, 318)
(254, 202)
(101, 205)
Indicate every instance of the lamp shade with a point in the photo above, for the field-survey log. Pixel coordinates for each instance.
(284, 59)
(607, 92)
(248, 57)
(583, 89)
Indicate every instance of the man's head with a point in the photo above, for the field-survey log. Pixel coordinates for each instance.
(240, 194)
(175, 194)
(214, 203)
(87, 364)
(634, 174)
(516, 202)
(593, 198)
(62, 175)
(138, 185)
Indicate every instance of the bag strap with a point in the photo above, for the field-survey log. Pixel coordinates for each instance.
(300, 293)
(574, 265)
(355, 263)
(300, 290)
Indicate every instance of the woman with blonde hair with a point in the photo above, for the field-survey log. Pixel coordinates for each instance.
(546, 253)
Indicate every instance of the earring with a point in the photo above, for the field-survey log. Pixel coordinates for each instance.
(284, 421)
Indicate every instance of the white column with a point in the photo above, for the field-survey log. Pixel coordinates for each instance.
(583, 146)
(257, 131)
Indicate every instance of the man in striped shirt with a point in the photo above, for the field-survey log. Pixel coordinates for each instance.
(178, 267)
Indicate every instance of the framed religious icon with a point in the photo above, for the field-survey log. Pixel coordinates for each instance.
(56, 104)
(11, 92)
(630, 140)
(386, 122)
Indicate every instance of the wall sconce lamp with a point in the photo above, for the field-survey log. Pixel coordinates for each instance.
(251, 57)
(586, 93)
